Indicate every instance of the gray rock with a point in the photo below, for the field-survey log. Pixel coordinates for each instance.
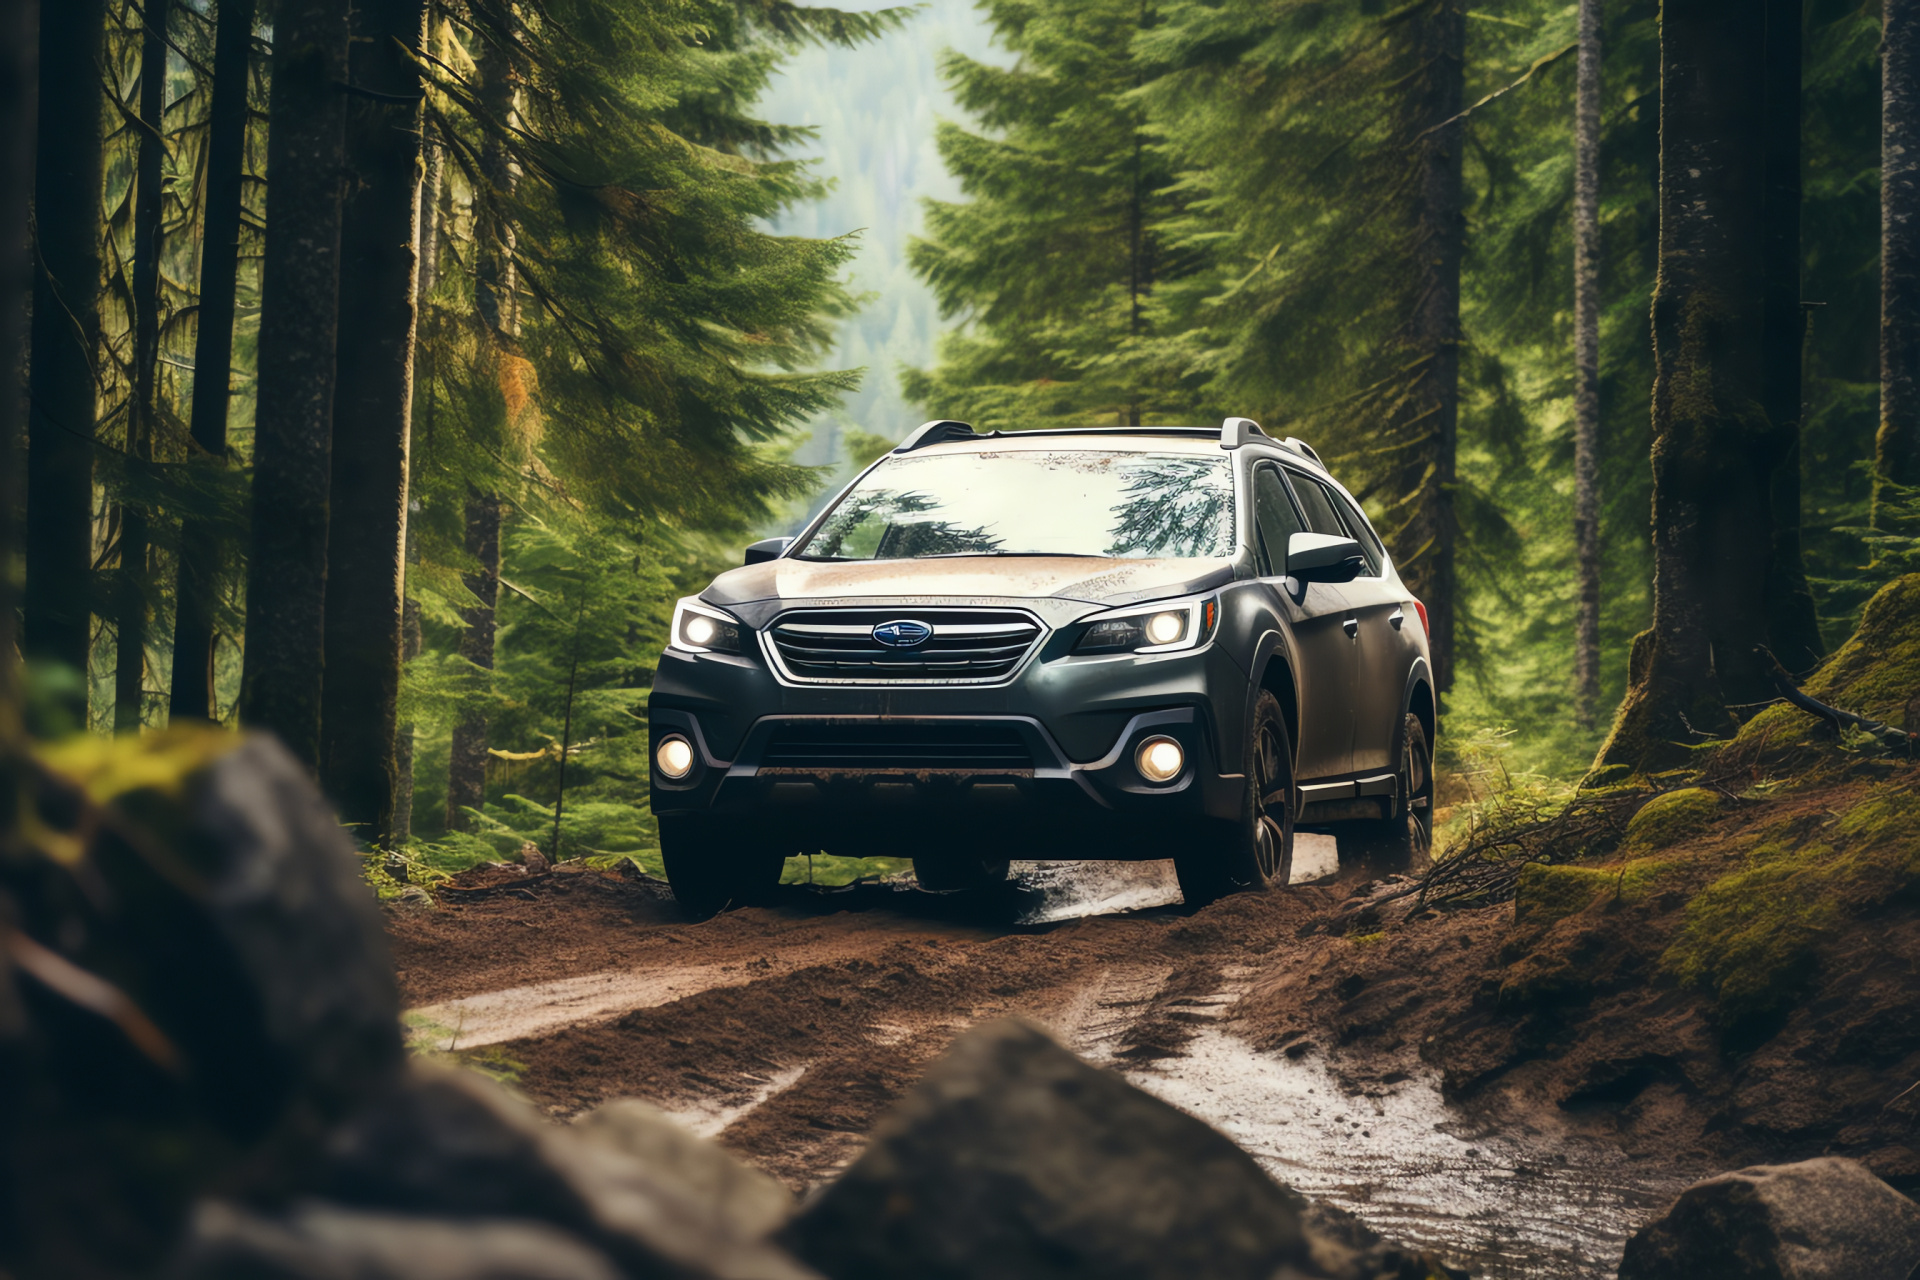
(1015, 1160)
(453, 1144)
(324, 1242)
(1825, 1219)
(741, 1198)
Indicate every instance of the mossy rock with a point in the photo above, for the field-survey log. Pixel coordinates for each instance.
(1752, 937)
(1668, 819)
(1549, 894)
(1876, 673)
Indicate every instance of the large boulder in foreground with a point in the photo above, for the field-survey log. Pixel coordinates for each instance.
(453, 1145)
(200, 985)
(1825, 1219)
(1014, 1160)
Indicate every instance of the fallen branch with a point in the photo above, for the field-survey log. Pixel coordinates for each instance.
(1790, 690)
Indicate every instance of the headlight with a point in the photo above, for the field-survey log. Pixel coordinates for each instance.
(703, 629)
(1182, 624)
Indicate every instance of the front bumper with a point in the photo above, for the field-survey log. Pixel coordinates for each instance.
(1076, 793)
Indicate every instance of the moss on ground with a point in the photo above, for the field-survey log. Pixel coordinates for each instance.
(1751, 937)
(1876, 673)
(1666, 820)
(1552, 893)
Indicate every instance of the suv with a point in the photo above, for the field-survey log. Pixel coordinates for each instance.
(1152, 642)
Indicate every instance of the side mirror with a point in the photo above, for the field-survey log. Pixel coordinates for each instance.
(1322, 557)
(767, 549)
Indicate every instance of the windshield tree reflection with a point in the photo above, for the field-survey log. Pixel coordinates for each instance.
(1032, 502)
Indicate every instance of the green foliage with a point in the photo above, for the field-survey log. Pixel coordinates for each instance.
(1552, 893)
(1671, 817)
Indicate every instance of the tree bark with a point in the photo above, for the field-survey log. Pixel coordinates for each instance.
(467, 769)
(410, 646)
(149, 203)
(191, 695)
(65, 337)
(1791, 619)
(19, 67)
(372, 420)
(1586, 366)
(281, 677)
(1714, 450)
(1897, 446)
(1434, 334)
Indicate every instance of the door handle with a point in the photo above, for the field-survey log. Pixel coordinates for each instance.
(1351, 626)
(1399, 617)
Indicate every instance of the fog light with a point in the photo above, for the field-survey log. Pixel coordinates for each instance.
(675, 757)
(701, 629)
(1165, 628)
(1160, 759)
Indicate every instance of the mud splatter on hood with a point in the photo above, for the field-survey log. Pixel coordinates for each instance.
(1084, 579)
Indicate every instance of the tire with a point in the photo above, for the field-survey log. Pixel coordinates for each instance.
(960, 873)
(711, 868)
(1405, 840)
(1255, 852)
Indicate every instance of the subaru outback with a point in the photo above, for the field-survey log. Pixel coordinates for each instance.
(1114, 643)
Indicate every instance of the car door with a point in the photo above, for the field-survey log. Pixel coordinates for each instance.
(1326, 671)
(1381, 644)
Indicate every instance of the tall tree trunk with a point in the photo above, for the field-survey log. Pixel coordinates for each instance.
(372, 419)
(410, 646)
(494, 297)
(1714, 451)
(1440, 39)
(1897, 447)
(192, 691)
(65, 335)
(1586, 367)
(293, 424)
(467, 769)
(19, 65)
(149, 203)
(1791, 619)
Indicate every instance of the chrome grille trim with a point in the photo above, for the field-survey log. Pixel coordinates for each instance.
(968, 645)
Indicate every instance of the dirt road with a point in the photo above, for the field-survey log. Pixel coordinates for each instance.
(785, 1030)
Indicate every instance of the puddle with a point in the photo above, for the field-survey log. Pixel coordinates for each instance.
(1507, 1205)
(1071, 890)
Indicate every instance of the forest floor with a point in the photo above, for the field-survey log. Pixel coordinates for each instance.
(1398, 1071)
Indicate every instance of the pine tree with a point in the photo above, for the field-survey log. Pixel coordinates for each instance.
(202, 553)
(372, 417)
(1897, 446)
(286, 570)
(1586, 360)
(66, 327)
(1059, 256)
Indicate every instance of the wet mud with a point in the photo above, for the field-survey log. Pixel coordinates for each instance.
(785, 1030)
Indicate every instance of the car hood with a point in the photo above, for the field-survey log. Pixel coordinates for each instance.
(1066, 580)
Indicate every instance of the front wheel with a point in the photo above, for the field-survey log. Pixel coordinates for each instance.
(1256, 851)
(1406, 838)
(711, 866)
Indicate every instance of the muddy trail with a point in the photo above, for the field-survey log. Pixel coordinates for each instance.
(786, 1030)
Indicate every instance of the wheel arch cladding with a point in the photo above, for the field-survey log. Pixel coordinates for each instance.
(1277, 678)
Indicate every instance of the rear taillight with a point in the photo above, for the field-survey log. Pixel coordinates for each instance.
(1422, 611)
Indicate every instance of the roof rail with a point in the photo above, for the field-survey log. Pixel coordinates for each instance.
(937, 432)
(1235, 432)
(1304, 449)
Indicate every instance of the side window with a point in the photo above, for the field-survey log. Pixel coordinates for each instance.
(1275, 520)
(1327, 512)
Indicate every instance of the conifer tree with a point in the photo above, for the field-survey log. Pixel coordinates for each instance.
(65, 334)
(1586, 360)
(1059, 255)
(287, 568)
(1897, 446)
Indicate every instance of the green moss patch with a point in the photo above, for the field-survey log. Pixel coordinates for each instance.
(1874, 674)
(1666, 820)
(1751, 938)
(1549, 894)
(110, 768)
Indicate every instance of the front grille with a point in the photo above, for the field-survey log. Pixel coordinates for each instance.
(964, 747)
(965, 645)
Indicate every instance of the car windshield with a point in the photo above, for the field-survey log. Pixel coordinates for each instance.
(1033, 502)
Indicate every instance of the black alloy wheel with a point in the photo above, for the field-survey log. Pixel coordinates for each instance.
(712, 866)
(1257, 851)
(1404, 840)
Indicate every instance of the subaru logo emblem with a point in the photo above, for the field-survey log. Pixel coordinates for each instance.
(902, 635)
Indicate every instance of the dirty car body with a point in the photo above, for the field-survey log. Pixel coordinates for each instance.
(980, 649)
